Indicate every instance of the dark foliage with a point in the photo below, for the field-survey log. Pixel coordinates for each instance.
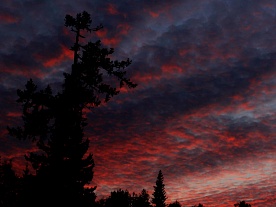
(159, 194)
(141, 200)
(119, 198)
(56, 122)
(100, 203)
(8, 184)
(174, 204)
(242, 204)
(199, 205)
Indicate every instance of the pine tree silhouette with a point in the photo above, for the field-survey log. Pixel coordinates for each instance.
(159, 194)
(56, 122)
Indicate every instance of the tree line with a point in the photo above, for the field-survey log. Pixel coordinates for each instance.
(55, 123)
(14, 192)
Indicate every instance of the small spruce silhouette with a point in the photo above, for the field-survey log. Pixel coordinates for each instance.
(159, 194)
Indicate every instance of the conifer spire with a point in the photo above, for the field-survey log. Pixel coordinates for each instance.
(159, 194)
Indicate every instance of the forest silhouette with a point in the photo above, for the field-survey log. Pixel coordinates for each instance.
(55, 123)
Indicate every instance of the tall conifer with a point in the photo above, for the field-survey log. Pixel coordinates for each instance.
(159, 194)
(56, 122)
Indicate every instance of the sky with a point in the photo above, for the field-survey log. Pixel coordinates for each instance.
(204, 108)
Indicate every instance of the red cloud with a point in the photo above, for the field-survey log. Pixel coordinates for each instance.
(113, 41)
(19, 70)
(123, 28)
(14, 114)
(153, 14)
(108, 41)
(111, 9)
(64, 55)
(7, 18)
(170, 68)
(102, 33)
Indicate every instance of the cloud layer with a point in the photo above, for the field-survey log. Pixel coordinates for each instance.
(204, 108)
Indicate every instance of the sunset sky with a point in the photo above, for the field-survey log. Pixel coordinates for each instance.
(204, 108)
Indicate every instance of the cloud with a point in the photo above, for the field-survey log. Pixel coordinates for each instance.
(204, 108)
